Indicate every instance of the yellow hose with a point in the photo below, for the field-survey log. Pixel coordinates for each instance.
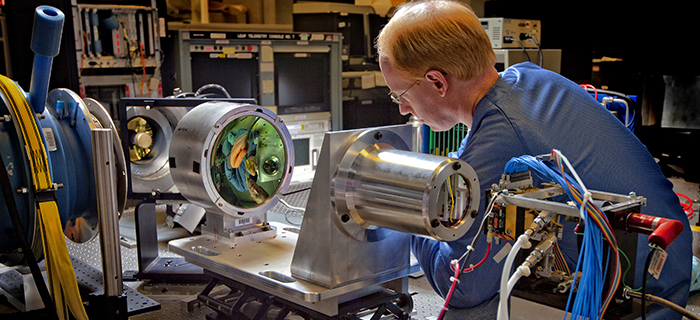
(62, 280)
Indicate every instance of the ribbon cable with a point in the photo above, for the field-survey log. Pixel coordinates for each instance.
(61, 276)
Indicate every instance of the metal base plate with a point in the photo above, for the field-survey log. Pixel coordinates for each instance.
(266, 265)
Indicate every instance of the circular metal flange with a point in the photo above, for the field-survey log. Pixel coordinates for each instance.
(204, 170)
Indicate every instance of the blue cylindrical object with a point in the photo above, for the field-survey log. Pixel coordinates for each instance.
(46, 42)
(41, 73)
(94, 19)
(48, 27)
(60, 108)
(97, 46)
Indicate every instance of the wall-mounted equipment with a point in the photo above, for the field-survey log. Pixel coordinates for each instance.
(288, 73)
(551, 58)
(118, 52)
(359, 26)
(307, 130)
(498, 29)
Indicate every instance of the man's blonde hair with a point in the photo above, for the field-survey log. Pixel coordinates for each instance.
(444, 35)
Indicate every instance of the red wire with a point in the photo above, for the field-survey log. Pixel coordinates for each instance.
(687, 207)
(452, 287)
(455, 267)
(587, 86)
(488, 250)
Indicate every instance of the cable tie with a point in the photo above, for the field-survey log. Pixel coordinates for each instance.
(470, 248)
(587, 196)
(453, 279)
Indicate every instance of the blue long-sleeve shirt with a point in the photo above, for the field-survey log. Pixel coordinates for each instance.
(531, 111)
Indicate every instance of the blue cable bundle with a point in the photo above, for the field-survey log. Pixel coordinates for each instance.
(590, 287)
(587, 304)
(541, 169)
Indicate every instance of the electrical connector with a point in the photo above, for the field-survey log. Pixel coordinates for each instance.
(525, 36)
(540, 221)
(540, 251)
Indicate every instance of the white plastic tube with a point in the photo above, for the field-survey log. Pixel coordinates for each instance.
(502, 314)
(522, 271)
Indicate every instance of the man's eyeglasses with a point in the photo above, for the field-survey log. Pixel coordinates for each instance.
(396, 98)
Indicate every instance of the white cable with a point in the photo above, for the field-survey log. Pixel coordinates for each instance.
(486, 216)
(503, 297)
(572, 171)
(289, 206)
(522, 271)
(586, 194)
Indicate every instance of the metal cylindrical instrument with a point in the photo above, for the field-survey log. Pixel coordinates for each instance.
(231, 158)
(380, 185)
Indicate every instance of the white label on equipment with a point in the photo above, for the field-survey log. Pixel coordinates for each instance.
(242, 222)
(657, 263)
(50, 139)
(502, 253)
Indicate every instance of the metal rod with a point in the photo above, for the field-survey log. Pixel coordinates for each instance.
(105, 181)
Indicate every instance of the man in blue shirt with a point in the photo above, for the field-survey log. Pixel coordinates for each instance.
(437, 60)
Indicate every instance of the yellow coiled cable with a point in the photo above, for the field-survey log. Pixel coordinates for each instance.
(62, 280)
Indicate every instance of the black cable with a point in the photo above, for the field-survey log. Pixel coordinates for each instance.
(487, 213)
(473, 244)
(537, 43)
(644, 282)
(296, 191)
(521, 45)
(26, 249)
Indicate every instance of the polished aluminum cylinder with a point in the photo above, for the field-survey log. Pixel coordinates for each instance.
(105, 181)
(380, 186)
(193, 151)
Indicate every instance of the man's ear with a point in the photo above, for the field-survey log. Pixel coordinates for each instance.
(438, 80)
